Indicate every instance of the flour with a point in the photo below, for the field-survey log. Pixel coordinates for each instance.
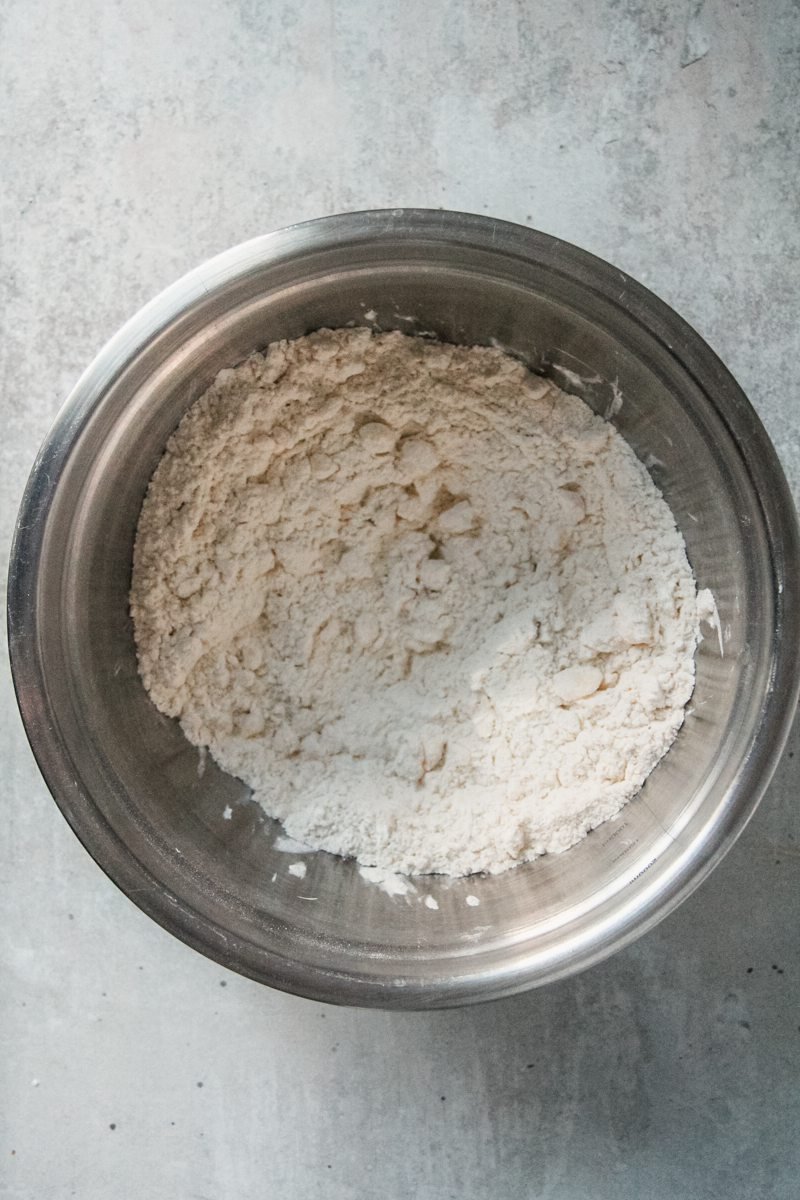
(428, 606)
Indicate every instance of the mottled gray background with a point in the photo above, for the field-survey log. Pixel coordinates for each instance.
(139, 138)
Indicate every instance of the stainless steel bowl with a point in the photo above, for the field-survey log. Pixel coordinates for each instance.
(139, 796)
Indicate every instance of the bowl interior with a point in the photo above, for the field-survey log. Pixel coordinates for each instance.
(191, 846)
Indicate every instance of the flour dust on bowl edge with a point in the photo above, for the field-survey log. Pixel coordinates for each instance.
(178, 835)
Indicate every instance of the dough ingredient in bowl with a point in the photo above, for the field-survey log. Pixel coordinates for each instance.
(429, 607)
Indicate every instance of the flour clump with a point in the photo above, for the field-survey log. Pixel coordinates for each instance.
(429, 607)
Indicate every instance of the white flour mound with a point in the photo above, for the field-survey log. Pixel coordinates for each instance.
(429, 607)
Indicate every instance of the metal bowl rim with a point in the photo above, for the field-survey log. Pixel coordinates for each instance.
(646, 902)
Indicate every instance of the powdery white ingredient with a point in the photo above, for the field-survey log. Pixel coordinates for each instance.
(429, 607)
(389, 882)
(287, 845)
(615, 404)
(708, 613)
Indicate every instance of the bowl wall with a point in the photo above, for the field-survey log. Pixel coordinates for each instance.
(147, 805)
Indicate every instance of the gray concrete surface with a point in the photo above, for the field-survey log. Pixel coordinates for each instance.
(137, 140)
